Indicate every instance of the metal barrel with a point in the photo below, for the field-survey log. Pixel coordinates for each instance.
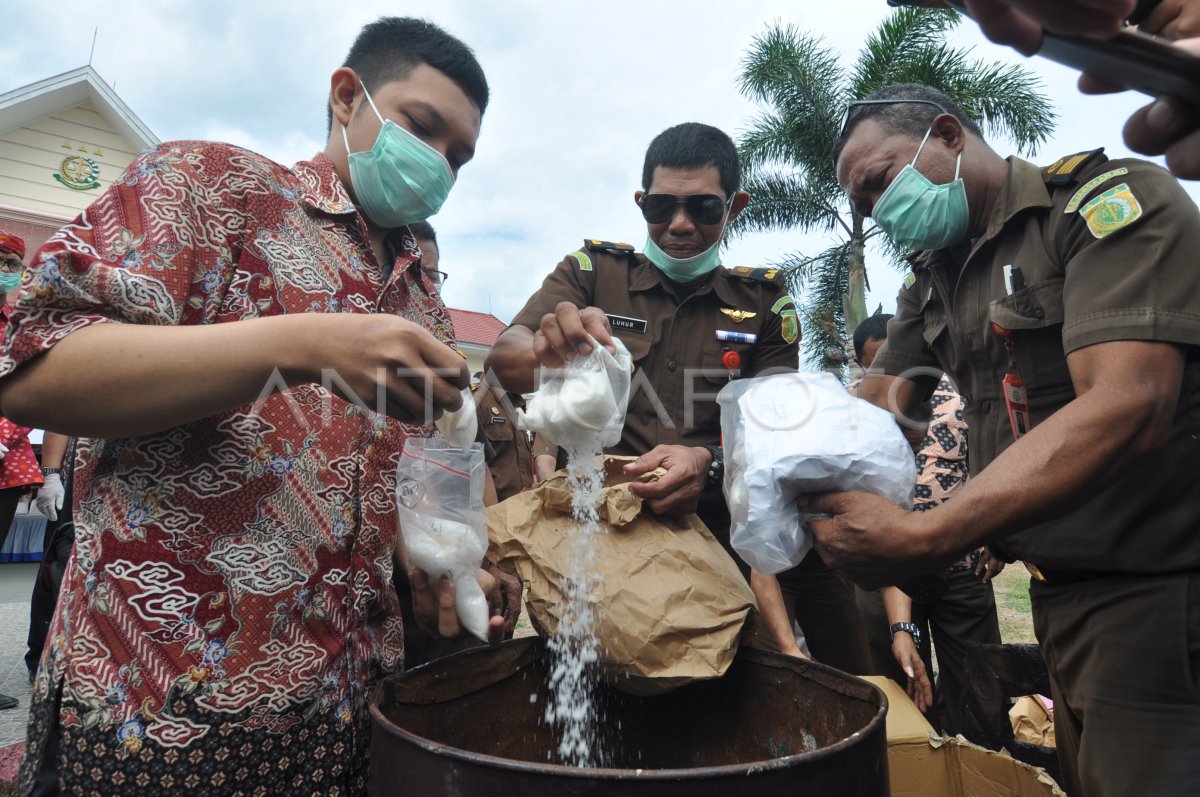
(471, 724)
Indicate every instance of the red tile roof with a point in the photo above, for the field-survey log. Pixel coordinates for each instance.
(482, 329)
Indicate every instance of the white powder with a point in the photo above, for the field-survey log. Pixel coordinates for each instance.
(574, 650)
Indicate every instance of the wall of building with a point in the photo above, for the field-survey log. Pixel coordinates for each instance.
(53, 168)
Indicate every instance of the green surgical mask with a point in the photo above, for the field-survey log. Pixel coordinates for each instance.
(685, 269)
(401, 179)
(918, 214)
(8, 281)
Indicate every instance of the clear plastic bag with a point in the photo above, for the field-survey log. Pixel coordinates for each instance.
(795, 434)
(439, 498)
(584, 401)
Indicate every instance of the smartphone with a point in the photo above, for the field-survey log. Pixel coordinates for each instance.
(1140, 61)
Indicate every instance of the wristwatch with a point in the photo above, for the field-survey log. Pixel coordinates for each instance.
(48, 471)
(716, 471)
(909, 628)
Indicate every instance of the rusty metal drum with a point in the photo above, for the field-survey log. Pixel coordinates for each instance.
(471, 724)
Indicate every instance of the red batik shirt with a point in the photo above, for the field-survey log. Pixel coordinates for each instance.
(19, 467)
(236, 570)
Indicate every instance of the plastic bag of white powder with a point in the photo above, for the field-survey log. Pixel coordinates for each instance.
(797, 434)
(439, 497)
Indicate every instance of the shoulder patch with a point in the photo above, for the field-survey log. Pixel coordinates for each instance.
(1082, 193)
(910, 279)
(763, 274)
(585, 262)
(785, 308)
(1115, 208)
(607, 246)
(1062, 171)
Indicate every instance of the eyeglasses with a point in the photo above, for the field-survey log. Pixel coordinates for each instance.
(11, 264)
(849, 115)
(436, 277)
(702, 208)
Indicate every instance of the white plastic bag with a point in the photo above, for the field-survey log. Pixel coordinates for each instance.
(584, 401)
(795, 434)
(439, 497)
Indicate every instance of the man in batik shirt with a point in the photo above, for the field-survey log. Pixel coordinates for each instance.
(217, 328)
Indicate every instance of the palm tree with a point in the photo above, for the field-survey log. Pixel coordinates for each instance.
(786, 150)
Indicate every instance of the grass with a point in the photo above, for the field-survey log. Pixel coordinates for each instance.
(1012, 605)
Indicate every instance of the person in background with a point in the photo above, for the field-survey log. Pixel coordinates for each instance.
(54, 501)
(431, 254)
(506, 446)
(18, 465)
(243, 349)
(952, 606)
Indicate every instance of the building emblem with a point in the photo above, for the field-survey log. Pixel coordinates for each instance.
(79, 173)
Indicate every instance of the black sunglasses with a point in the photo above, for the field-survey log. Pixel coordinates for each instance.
(859, 104)
(702, 208)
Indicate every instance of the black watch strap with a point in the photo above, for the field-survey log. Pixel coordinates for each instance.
(909, 628)
(716, 470)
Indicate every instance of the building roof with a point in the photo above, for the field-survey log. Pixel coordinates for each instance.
(45, 97)
(481, 329)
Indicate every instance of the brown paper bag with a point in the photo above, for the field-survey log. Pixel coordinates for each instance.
(671, 602)
(1032, 722)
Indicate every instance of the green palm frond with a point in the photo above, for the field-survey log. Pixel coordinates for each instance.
(787, 201)
(898, 42)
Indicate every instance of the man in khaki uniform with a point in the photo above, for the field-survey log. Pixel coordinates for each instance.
(1065, 304)
(506, 448)
(690, 324)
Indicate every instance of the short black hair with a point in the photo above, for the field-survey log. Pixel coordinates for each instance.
(423, 231)
(872, 328)
(693, 146)
(912, 118)
(391, 47)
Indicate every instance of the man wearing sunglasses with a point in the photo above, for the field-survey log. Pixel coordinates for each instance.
(1065, 304)
(691, 325)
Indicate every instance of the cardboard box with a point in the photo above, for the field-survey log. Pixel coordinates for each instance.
(923, 764)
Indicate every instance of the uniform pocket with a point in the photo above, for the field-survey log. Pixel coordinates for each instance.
(1034, 316)
(638, 345)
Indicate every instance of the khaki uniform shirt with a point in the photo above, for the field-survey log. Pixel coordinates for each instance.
(1109, 254)
(506, 448)
(671, 333)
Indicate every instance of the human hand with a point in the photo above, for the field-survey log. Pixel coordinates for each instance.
(904, 649)
(1164, 127)
(366, 355)
(49, 498)
(871, 540)
(567, 332)
(989, 565)
(1019, 23)
(1173, 19)
(436, 610)
(510, 593)
(676, 492)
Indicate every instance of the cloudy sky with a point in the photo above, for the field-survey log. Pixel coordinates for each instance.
(578, 91)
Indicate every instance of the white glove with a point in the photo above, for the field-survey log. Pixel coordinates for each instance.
(50, 496)
(3, 450)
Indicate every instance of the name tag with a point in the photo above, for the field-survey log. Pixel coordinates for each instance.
(628, 324)
(497, 420)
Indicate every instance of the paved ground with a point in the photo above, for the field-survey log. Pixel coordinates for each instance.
(16, 582)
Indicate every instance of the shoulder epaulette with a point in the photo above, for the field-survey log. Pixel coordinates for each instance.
(1064, 170)
(772, 275)
(608, 246)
